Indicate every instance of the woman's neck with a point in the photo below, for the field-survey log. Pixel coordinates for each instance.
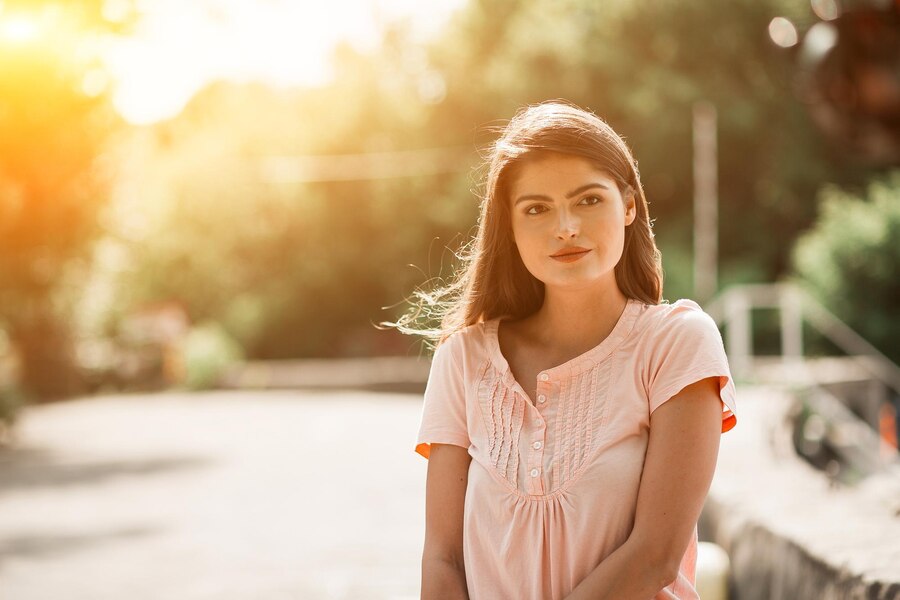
(575, 320)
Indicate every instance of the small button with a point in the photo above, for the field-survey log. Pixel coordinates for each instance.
(534, 472)
(536, 445)
(542, 398)
(544, 377)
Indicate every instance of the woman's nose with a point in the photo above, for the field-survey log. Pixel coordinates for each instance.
(567, 225)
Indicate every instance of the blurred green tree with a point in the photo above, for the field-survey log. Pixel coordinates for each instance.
(850, 259)
(301, 266)
(288, 265)
(641, 67)
(55, 117)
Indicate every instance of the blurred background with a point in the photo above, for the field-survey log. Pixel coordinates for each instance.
(228, 196)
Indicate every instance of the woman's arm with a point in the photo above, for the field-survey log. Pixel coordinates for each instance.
(678, 471)
(443, 569)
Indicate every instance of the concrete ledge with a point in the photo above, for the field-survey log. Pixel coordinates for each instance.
(389, 374)
(790, 532)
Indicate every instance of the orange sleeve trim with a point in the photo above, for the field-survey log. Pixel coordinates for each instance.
(424, 449)
(729, 420)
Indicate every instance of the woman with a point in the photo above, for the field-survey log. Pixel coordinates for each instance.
(571, 420)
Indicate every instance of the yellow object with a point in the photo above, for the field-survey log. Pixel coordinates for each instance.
(713, 567)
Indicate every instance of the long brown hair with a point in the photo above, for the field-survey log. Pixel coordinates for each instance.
(492, 280)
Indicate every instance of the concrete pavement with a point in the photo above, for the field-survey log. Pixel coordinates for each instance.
(218, 495)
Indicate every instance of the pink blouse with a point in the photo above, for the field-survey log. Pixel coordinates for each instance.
(553, 484)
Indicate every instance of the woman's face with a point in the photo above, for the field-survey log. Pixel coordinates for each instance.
(560, 201)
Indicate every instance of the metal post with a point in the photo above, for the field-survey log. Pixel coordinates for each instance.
(705, 202)
(739, 339)
(791, 326)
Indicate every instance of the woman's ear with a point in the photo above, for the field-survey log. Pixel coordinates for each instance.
(630, 210)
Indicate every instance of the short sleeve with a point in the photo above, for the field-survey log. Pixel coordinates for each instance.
(443, 419)
(687, 348)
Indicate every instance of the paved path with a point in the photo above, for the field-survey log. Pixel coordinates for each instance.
(221, 495)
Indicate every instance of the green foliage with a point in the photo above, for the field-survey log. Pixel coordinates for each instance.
(641, 66)
(288, 268)
(12, 399)
(850, 259)
(302, 268)
(207, 351)
(53, 178)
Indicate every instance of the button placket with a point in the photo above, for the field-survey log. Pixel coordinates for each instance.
(536, 458)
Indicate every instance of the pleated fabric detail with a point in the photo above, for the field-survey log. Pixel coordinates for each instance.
(503, 412)
(573, 430)
(579, 416)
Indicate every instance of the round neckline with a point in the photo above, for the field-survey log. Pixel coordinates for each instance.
(577, 364)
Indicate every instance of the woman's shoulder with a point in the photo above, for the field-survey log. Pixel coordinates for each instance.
(468, 340)
(666, 319)
(678, 305)
(666, 310)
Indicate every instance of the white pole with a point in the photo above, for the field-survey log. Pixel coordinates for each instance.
(705, 202)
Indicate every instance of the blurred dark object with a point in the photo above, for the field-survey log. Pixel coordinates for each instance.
(121, 365)
(850, 79)
(46, 349)
(12, 397)
(831, 436)
(144, 356)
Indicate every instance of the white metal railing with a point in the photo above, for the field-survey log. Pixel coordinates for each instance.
(733, 306)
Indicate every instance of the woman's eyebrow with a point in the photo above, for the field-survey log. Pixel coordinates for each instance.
(574, 192)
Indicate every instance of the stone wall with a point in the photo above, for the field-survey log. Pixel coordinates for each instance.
(791, 532)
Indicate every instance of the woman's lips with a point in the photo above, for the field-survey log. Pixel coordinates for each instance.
(570, 257)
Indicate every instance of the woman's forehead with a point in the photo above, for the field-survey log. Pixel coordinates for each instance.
(555, 171)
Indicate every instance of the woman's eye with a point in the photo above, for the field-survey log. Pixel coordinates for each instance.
(530, 210)
(596, 200)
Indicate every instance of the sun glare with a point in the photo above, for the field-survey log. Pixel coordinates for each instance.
(18, 28)
(179, 47)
